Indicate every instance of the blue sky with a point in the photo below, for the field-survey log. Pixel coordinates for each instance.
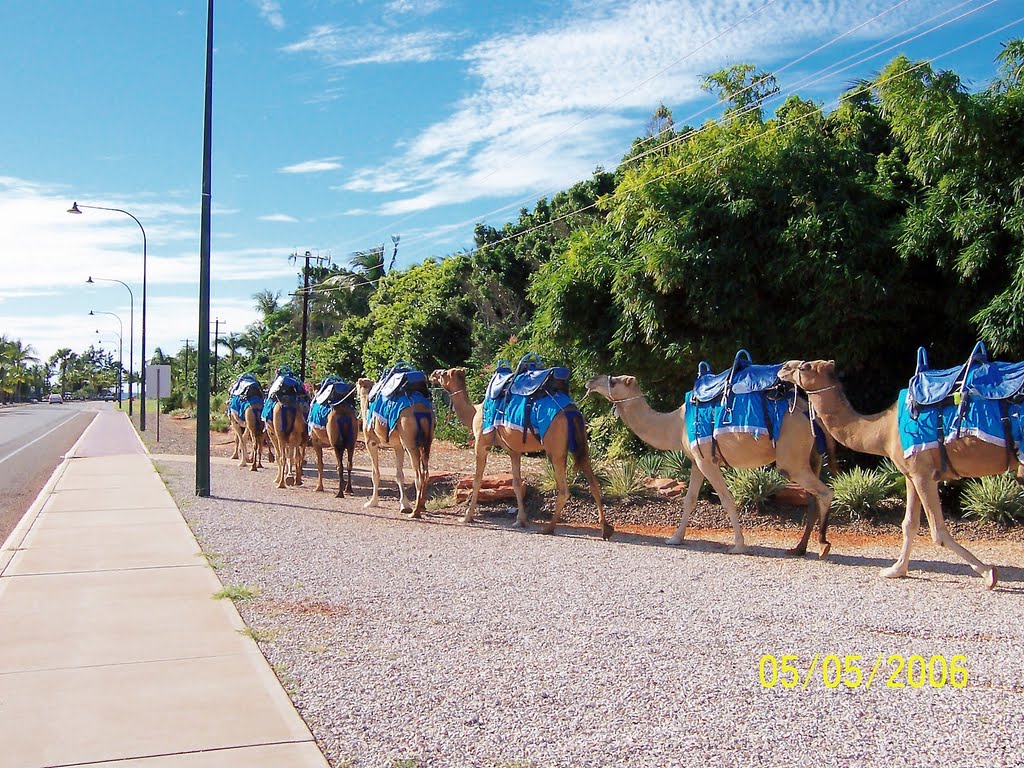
(338, 123)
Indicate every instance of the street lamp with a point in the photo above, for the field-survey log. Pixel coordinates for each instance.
(120, 351)
(131, 336)
(75, 208)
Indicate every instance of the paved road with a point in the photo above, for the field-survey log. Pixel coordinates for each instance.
(33, 440)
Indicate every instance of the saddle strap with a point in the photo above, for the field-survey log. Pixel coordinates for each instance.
(1011, 448)
(943, 454)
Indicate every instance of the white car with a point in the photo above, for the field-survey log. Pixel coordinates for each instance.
(55, 398)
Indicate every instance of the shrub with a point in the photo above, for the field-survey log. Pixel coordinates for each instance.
(650, 464)
(623, 479)
(676, 465)
(447, 425)
(753, 487)
(896, 479)
(547, 480)
(994, 499)
(859, 492)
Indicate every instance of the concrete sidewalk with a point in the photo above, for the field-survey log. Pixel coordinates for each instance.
(112, 650)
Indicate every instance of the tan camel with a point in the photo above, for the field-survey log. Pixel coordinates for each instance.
(878, 434)
(338, 434)
(555, 445)
(249, 432)
(287, 428)
(414, 433)
(793, 454)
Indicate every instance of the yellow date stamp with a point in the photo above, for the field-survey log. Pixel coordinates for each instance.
(854, 671)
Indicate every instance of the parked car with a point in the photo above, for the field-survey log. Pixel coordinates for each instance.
(55, 398)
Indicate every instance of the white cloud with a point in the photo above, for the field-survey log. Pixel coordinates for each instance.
(552, 104)
(282, 217)
(341, 46)
(270, 10)
(312, 166)
(418, 7)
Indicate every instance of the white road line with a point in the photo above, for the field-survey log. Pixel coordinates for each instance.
(26, 445)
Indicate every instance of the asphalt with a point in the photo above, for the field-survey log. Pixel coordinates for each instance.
(113, 650)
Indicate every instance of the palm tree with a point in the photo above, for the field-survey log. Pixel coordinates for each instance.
(17, 357)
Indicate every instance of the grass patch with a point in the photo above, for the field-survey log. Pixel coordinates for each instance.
(236, 593)
(624, 480)
(260, 635)
(214, 559)
(443, 501)
(753, 487)
(405, 762)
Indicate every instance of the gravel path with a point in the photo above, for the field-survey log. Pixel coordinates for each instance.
(430, 643)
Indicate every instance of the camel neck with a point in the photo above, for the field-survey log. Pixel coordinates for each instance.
(662, 431)
(856, 431)
(464, 409)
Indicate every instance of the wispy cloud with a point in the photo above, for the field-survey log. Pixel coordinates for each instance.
(553, 103)
(282, 217)
(313, 166)
(342, 46)
(270, 10)
(417, 7)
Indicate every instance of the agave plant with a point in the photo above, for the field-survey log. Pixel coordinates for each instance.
(624, 479)
(859, 492)
(676, 465)
(753, 487)
(650, 464)
(996, 499)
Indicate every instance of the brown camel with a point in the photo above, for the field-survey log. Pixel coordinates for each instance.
(339, 434)
(793, 454)
(287, 428)
(555, 445)
(414, 433)
(878, 434)
(248, 432)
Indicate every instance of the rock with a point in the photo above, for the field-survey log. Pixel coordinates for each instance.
(666, 486)
(492, 488)
(792, 495)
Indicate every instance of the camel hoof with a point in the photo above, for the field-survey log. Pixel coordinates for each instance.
(520, 524)
(894, 572)
(607, 531)
(739, 549)
(823, 554)
(797, 551)
(370, 504)
(548, 530)
(415, 516)
(675, 541)
(468, 519)
(992, 577)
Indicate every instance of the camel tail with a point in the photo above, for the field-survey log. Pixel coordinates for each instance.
(577, 436)
(347, 429)
(425, 430)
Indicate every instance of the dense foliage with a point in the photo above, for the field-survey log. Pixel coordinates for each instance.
(894, 220)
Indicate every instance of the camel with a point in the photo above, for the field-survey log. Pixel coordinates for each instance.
(793, 454)
(878, 434)
(339, 434)
(249, 431)
(287, 428)
(555, 445)
(414, 433)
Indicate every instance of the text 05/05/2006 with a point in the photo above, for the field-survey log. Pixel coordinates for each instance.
(852, 671)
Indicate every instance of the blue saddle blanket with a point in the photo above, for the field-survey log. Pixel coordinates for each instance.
(752, 412)
(522, 411)
(980, 418)
(268, 410)
(387, 409)
(318, 413)
(239, 405)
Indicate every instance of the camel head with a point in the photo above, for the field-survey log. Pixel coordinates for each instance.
(810, 375)
(451, 380)
(615, 388)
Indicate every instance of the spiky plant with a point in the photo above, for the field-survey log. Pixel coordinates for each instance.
(676, 465)
(753, 487)
(995, 499)
(650, 464)
(859, 492)
(623, 479)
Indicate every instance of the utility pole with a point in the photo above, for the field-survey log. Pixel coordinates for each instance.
(305, 304)
(216, 346)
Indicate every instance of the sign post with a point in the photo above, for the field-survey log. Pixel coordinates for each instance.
(158, 378)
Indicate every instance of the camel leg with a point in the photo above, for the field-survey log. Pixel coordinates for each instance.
(689, 502)
(282, 462)
(583, 465)
(373, 448)
(910, 526)
(717, 480)
(403, 501)
(522, 521)
(319, 451)
(351, 452)
(562, 495)
(238, 439)
(299, 452)
(822, 499)
(338, 452)
(928, 491)
(478, 477)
